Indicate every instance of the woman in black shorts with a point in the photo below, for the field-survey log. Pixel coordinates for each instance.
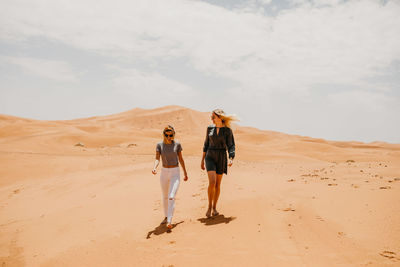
(219, 138)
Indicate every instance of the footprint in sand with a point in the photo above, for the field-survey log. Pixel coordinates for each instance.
(291, 180)
(389, 254)
(384, 187)
(288, 209)
(332, 184)
(14, 192)
(195, 195)
(157, 205)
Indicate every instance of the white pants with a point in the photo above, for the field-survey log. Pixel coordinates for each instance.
(169, 179)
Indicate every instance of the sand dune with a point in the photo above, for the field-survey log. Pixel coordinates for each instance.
(288, 200)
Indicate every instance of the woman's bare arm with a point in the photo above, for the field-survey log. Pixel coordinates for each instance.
(182, 162)
(156, 162)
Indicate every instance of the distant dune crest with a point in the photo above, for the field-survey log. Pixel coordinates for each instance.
(138, 125)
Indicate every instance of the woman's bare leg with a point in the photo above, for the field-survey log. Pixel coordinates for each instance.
(212, 179)
(217, 190)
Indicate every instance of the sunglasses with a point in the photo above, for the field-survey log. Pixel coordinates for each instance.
(169, 135)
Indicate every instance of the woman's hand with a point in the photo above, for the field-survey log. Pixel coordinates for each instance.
(202, 165)
(230, 162)
(186, 177)
(156, 162)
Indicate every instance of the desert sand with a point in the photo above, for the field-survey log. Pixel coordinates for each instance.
(81, 193)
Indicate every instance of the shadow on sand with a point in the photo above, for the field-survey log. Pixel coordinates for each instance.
(161, 229)
(216, 220)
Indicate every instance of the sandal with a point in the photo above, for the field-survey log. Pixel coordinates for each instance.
(215, 213)
(208, 214)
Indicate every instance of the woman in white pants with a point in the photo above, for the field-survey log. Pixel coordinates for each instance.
(171, 154)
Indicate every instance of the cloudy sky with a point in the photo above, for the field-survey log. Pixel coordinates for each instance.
(321, 68)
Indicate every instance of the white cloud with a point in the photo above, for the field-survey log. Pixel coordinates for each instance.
(134, 79)
(49, 69)
(360, 101)
(327, 42)
(150, 89)
(255, 3)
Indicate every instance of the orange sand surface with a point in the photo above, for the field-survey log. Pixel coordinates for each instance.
(287, 200)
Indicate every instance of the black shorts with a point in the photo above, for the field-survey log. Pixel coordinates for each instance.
(216, 160)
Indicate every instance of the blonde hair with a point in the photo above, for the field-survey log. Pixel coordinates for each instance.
(168, 128)
(226, 119)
